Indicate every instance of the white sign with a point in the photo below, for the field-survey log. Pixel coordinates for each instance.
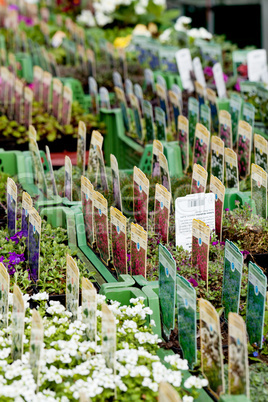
(219, 80)
(257, 64)
(198, 71)
(184, 63)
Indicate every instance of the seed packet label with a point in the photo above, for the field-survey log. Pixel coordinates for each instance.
(160, 121)
(211, 347)
(138, 250)
(56, 98)
(28, 104)
(175, 88)
(238, 372)
(193, 117)
(68, 179)
(157, 148)
(199, 179)
(66, 105)
(72, 287)
(166, 393)
(149, 120)
(81, 146)
(108, 337)
(102, 172)
(26, 207)
(116, 183)
(235, 111)
(96, 139)
(18, 314)
(161, 210)
(164, 171)
(51, 171)
(200, 90)
(200, 247)
(149, 79)
(34, 236)
(218, 77)
(175, 102)
(89, 309)
(257, 64)
(201, 145)
(87, 194)
(244, 148)
(232, 276)
(140, 197)
(162, 95)
(101, 226)
(18, 109)
(256, 293)
(36, 344)
(231, 168)
(128, 87)
(225, 128)
(119, 240)
(137, 114)
(198, 71)
(38, 80)
(93, 91)
(261, 151)
(217, 188)
(11, 206)
(4, 290)
(217, 158)
(91, 63)
(196, 206)
(123, 106)
(185, 67)
(186, 302)
(183, 127)
(104, 98)
(248, 114)
(259, 189)
(139, 94)
(212, 99)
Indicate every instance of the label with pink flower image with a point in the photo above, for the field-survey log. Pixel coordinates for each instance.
(259, 189)
(217, 188)
(68, 179)
(11, 206)
(200, 247)
(261, 151)
(157, 147)
(231, 168)
(226, 128)
(38, 81)
(199, 179)
(47, 80)
(67, 99)
(217, 158)
(4, 289)
(96, 139)
(56, 98)
(183, 127)
(138, 250)
(34, 236)
(201, 145)
(244, 148)
(140, 197)
(102, 178)
(101, 226)
(87, 199)
(212, 99)
(119, 240)
(175, 102)
(200, 90)
(26, 207)
(18, 106)
(28, 105)
(81, 146)
(89, 309)
(72, 287)
(161, 211)
(18, 315)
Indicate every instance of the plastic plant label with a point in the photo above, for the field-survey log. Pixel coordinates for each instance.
(116, 183)
(57, 98)
(137, 114)
(18, 109)
(176, 89)
(167, 289)
(244, 148)
(10, 96)
(140, 197)
(83, 397)
(128, 87)
(160, 121)
(217, 158)
(163, 102)
(122, 61)
(231, 168)
(102, 178)
(199, 179)
(149, 120)
(11, 206)
(18, 315)
(226, 128)
(120, 95)
(200, 247)
(198, 71)
(138, 250)
(218, 77)
(34, 237)
(261, 151)
(217, 188)
(4, 84)
(47, 80)
(211, 347)
(81, 146)
(193, 117)
(175, 102)
(259, 189)
(96, 139)
(72, 287)
(4, 290)
(93, 91)
(200, 90)
(89, 309)
(39, 175)
(67, 99)
(235, 112)
(91, 63)
(68, 179)
(139, 94)
(166, 393)
(257, 64)
(185, 67)
(87, 194)
(232, 276)
(51, 171)
(256, 293)
(212, 99)
(186, 303)
(101, 226)
(36, 344)
(119, 240)
(26, 206)
(38, 80)
(161, 212)
(108, 337)
(157, 148)
(164, 171)
(28, 105)
(183, 128)
(149, 80)
(12, 63)
(201, 145)
(195, 206)
(248, 114)
(104, 98)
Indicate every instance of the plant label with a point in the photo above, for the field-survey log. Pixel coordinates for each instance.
(91, 63)
(157, 148)
(167, 59)
(104, 98)
(166, 393)
(81, 146)
(200, 247)
(137, 114)
(47, 80)
(225, 123)
(51, 171)
(183, 127)
(96, 139)
(140, 197)
(38, 81)
(200, 90)
(175, 88)
(128, 87)
(161, 212)
(205, 117)
(199, 179)
(231, 168)
(68, 179)
(212, 99)
(248, 114)
(160, 121)
(39, 175)
(101, 226)
(67, 99)
(139, 94)
(138, 250)
(57, 98)
(198, 72)
(175, 102)
(193, 117)
(87, 193)
(108, 337)
(18, 106)
(102, 171)
(261, 151)
(185, 67)
(119, 240)
(259, 189)
(244, 148)
(217, 188)
(149, 80)
(219, 80)
(36, 344)
(120, 95)
(11, 206)
(34, 236)
(18, 315)
(72, 287)
(10, 96)
(257, 64)
(235, 112)
(26, 206)
(217, 158)
(93, 91)
(201, 145)
(149, 120)
(163, 102)
(89, 309)
(28, 105)
(4, 290)
(116, 182)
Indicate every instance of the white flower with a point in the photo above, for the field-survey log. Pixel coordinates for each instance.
(40, 296)
(164, 37)
(181, 23)
(195, 382)
(102, 19)
(86, 18)
(194, 33)
(204, 34)
(187, 398)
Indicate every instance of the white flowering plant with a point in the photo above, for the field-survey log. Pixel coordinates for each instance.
(71, 363)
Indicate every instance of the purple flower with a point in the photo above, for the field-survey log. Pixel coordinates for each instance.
(227, 209)
(214, 243)
(208, 71)
(245, 252)
(255, 354)
(2, 258)
(15, 258)
(128, 257)
(193, 282)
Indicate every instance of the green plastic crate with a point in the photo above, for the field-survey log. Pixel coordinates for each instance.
(234, 398)
(25, 69)
(170, 79)
(76, 87)
(11, 162)
(122, 295)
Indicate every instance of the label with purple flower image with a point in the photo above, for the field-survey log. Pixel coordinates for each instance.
(137, 114)
(51, 171)
(120, 95)
(47, 80)
(217, 188)
(176, 106)
(11, 206)
(161, 212)
(38, 80)
(68, 179)
(183, 127)
(201, 145)
(119, 240)
(28, 105)
(18, 315)
(87, 199)
(67, 99)
(138, 250)
(36, 344)
(56, 98)
(26, 207)
(163, 102)
(200, 90)
(261, 151)
(199, 179)
(89, 309)
(93, 91)
(18, 111)
(244, 148)
(226, 128)
(34, 236)
(96, 139)
(108, 326)
(72, 287)
(101, 226)
(259, 189)
(212, 99)
(193, 117)
(231, 168)
(157, 148)
(217, 158)
(4, 290)
(140, 197)
(116, 183)
(102, 178)
(200, 248)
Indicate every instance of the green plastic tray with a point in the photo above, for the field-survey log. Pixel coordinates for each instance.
(170, 79)
(232, 195)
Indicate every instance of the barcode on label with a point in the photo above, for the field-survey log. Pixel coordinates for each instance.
(196, 203)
